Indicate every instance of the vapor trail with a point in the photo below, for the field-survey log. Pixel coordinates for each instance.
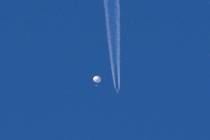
(112, 16)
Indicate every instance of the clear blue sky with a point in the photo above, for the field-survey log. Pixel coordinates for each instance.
(49, 49)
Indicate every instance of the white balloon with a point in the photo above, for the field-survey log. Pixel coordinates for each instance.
(97, 79)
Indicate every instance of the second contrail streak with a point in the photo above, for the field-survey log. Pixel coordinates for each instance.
(112, 16)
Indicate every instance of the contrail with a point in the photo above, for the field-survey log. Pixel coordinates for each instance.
(112, 17)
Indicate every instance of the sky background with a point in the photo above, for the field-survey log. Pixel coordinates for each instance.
(50, 49)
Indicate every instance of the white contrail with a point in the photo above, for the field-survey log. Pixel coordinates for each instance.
(112, 16)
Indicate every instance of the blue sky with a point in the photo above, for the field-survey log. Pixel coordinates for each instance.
(50, 49)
